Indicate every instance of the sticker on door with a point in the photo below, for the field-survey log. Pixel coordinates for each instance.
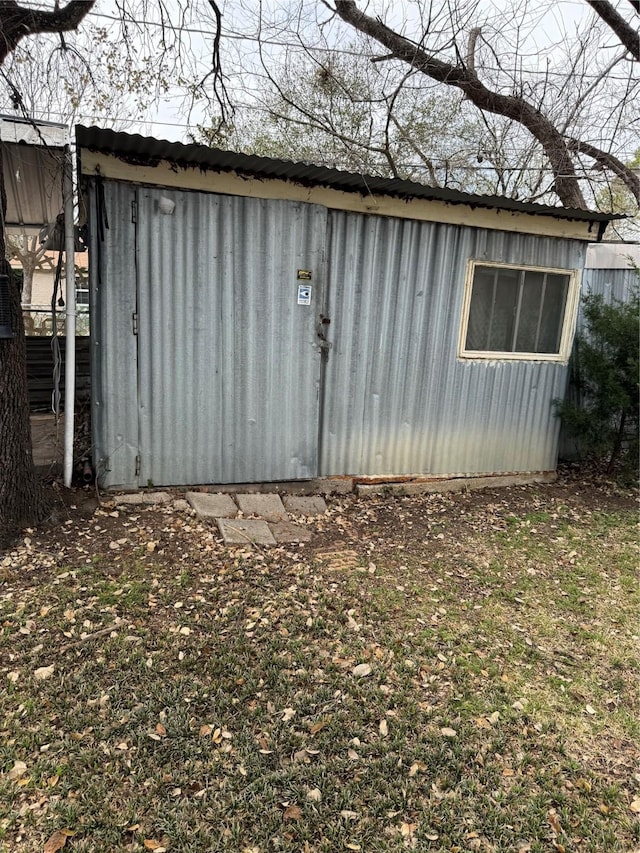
(304, 294)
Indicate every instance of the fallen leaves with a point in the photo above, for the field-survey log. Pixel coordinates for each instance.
(17, 771)
(292, 812)
(554, 821)
(381, 673)
(44, 672)
(57, 840)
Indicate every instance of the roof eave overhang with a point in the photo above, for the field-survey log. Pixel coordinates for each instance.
(168, 174)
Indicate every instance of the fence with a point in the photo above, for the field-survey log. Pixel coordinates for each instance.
(38, 321)
(40, 371)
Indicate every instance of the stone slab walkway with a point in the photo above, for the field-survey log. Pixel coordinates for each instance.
(243, 531)
(268, 522)
(267, 506)
(212, 506)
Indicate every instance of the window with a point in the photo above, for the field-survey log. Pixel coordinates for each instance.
(518, 312)
(82, 295)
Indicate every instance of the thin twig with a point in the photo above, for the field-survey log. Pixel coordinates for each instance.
(87, 637)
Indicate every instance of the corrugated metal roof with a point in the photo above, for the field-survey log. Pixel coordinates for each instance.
(142, 150)
(33, 156)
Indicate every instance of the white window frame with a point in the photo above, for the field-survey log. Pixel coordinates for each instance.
(568, 323)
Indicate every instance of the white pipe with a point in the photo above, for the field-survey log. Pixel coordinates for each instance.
(70, 324)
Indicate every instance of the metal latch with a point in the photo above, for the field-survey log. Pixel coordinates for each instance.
(321, 328)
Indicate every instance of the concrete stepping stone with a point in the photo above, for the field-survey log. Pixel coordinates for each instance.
(267, 506)
(212, 506)
(306, 505)
(286, 531)
(245, 531)
(143, 498)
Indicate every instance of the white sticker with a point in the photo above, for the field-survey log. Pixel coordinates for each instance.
(304, 294)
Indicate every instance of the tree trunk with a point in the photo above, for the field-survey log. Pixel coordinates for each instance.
(28, 270)
(22, 500)
(617, 444)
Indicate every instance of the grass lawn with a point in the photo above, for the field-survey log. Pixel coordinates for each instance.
(439, 673)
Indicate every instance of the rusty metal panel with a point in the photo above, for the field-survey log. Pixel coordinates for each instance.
(229, 365)
(397, 398)
(112, 277)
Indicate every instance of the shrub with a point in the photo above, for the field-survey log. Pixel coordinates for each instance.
(603, 417)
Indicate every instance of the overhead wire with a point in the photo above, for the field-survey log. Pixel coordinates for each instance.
(234, 35)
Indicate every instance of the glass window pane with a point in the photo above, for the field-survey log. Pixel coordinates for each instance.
(480, 309)
(530, 306)
(492, 309)
(504, 311)
(514, 310)
(553, 308)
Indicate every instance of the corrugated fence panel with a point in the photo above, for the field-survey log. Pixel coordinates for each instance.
(228, 360)
(397, 399)
(112, 271)
(40, 371)
(614, 284)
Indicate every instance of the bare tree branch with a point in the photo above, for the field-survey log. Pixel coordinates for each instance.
(474, 35)
(614, 20)
(608, 161)
(17, 21)
(511, 106)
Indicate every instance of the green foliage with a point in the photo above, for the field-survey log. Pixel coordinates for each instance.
(604, 419)
(616, 197)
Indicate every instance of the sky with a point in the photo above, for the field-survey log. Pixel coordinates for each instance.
(544, 27)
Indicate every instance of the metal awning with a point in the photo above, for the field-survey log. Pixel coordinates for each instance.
(33, 158)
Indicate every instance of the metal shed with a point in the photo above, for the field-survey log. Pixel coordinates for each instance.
(260, 320)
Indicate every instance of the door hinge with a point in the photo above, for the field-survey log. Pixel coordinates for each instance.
(138, 465)
(134, 211)
(134, 322)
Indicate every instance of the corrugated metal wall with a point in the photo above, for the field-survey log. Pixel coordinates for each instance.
(114, 367)
(610, 284)
(221, 382)
(224, 382)
(229, 367)
(398, 400)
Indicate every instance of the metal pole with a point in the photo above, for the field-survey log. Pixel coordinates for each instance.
(70, 324)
